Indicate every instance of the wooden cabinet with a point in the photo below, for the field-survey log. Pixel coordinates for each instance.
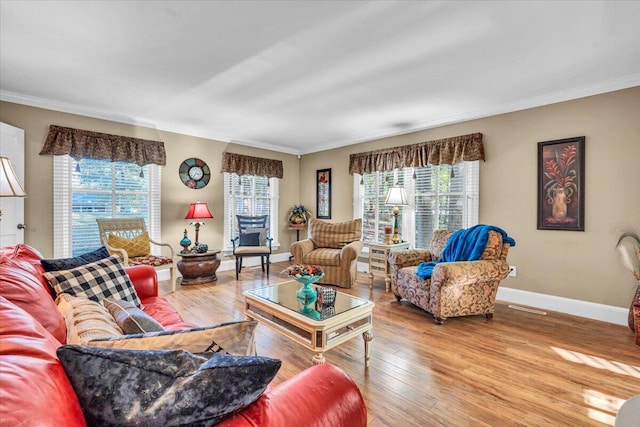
(379, 260)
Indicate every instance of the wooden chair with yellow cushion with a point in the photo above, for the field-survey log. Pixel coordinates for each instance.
(128, 238)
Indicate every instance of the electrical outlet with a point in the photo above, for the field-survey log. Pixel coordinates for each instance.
(512, 271)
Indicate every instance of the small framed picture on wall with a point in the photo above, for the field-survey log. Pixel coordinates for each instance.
(323, 193)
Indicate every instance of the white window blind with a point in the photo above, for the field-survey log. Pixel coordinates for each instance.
(437, 200)
(90, 189)
(249, 195)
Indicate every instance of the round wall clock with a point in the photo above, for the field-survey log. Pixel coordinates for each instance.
(194, 173)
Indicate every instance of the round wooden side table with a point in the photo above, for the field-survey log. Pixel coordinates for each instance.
(199, 268)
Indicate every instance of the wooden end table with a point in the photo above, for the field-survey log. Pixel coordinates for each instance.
(277, 307)
(379, 260)
(199, 268)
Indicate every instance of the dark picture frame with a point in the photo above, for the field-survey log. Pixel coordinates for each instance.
(323, 193)
(561, 184)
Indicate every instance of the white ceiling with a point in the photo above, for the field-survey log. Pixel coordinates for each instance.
(305, 76)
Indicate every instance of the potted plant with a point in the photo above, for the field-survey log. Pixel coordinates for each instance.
(299, 215)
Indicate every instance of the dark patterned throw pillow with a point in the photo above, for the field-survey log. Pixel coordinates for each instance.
(96, 281)
(68, 263)
(163, 387)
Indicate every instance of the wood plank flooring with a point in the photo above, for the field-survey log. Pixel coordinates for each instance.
(519, 369)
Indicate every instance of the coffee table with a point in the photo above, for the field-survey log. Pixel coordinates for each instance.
(276, 306)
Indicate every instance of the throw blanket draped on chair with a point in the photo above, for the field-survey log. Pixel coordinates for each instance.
(464, 245)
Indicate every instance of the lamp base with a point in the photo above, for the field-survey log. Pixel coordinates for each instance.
(395, 238)
(197, 225)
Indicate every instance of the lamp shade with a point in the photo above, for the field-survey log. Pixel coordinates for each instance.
(396, 196)
(9, 185)
(198, 210)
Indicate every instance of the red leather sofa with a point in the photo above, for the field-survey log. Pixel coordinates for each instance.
(34, 389)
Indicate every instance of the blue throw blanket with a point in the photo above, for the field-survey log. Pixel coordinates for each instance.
(464, 245)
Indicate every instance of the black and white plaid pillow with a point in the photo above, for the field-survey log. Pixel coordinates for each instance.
(98, 280)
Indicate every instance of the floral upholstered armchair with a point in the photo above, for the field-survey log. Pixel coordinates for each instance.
(455, 288)
(334, 247)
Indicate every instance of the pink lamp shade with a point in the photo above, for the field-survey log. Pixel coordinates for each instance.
(198, 210)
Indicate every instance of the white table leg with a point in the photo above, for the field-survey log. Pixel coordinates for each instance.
(318, 359)
(367, 336)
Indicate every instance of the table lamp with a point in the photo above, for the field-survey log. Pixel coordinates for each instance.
(198, 210)
(9, 184)
(396, 197)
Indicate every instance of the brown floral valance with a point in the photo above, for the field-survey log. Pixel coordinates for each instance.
(247, 165)
(85, 144)
(447, 151)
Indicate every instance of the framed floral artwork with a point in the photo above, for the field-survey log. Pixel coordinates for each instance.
(561, 184)
(323, 193)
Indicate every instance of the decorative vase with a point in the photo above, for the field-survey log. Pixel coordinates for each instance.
(559, 207)
(306, 295)
(185, 242)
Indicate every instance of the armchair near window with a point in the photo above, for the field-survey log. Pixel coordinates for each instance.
(128, 238)
(334, 247)
(460, 288)
(252, 240)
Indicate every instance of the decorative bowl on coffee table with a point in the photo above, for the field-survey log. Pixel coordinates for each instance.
(307, 295)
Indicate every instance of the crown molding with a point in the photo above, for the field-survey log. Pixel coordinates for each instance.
(584, 91)
(63, 107)
(625, 82)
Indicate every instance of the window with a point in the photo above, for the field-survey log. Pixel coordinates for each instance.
(90, 189)
(437, 200)
(249, 195)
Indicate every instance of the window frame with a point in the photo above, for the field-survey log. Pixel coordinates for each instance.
(470, 193)
(63, 191)
(230, 223)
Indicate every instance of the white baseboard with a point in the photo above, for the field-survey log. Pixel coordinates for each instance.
(590, 310)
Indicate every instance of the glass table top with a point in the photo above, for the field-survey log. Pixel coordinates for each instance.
(284, 295)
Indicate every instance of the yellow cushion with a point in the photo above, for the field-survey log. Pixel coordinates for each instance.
(138, 246)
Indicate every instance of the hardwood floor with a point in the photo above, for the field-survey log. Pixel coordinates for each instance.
(519, 369)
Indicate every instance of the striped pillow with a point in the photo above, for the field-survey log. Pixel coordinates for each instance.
(86, 320)
(235, 337)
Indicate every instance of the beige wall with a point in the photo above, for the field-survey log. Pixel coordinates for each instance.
(175, 195)
(577, 265)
